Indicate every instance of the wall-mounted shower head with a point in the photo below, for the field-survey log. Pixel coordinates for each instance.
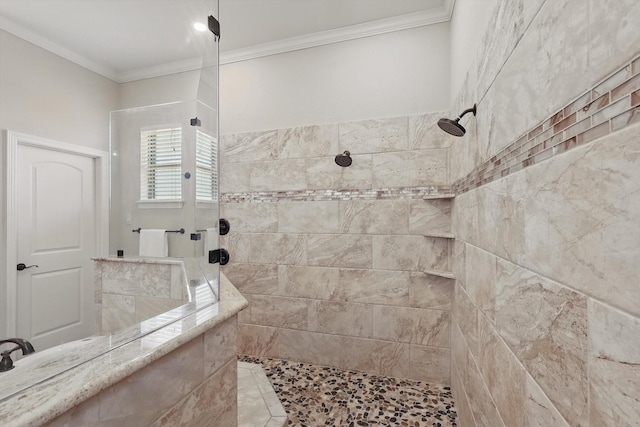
(454, 127)
(344, 159)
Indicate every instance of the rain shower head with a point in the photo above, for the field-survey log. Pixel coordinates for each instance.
(454, 127)
(343, 159)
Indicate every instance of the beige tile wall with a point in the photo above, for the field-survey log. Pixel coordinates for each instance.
(545, 324)
(353, 280)
(191, 386)
(128, 292)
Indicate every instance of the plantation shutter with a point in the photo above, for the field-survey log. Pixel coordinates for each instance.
(206, 167)
(160, 164)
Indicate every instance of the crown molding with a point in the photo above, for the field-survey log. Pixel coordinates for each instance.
(161, 70)
(368, 29)
(33, 38)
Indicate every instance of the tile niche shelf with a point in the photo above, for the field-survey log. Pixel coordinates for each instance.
(439, 273)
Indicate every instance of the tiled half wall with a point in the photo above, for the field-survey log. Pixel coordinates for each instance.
(345, 267)
(128, 292)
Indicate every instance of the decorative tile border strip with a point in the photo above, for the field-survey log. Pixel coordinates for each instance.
(415, 193)
(610, 106)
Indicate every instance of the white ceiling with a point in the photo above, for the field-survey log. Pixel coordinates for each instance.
(126, 40)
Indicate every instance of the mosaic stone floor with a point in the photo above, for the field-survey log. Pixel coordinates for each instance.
(320, 396)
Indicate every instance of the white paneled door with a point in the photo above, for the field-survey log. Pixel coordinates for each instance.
(56, 238)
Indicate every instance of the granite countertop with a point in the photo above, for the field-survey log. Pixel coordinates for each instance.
(52, 397)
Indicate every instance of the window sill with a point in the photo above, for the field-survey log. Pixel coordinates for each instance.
(160, 204)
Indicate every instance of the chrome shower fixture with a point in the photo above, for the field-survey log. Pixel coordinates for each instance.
(454, 127)
(343, 159)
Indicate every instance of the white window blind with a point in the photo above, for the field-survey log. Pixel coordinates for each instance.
(206, 167)
(160, 164)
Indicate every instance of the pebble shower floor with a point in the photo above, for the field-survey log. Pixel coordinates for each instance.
(321, 396)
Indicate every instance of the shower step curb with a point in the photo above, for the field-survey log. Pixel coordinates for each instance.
(258, 404)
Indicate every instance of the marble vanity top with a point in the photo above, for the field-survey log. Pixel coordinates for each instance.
(49, 398)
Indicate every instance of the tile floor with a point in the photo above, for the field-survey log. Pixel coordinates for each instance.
(320, 396)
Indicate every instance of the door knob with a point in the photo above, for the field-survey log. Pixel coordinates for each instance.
(21, 266)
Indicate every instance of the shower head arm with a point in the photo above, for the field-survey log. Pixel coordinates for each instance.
(467, 111)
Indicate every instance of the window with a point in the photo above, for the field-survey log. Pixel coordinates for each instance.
(160, 163)
(206, 167)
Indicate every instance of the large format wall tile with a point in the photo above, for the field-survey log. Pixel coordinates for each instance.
(374, 216)
(367, 355)
(215, 398)
(424, 132)
(341, 318)
(340, 250)
(253, 278)
(545, 324)
(508, 24)
(374, 286)
(235, 177)
(465, 314)
(480, 279)
(410, 253)
(137, 279)
(614, 366)
(278, 175)
(251, 217)
(538, 409)
(429, 291)
(509, 228)
(411, 325)
(484, 410)
(238, 245)
(322, 173)
(581, 222)
(372, 136)
(612, 30)
(249, 147)
(465, 416)
(220, 346)
(410, 168)
(277, 248)
(503, 374)
(308, 141)
(429, 217)
(308, 282)
(429, 364)
(279, 311)
(556, 38)
(464, 217)
(308, 217)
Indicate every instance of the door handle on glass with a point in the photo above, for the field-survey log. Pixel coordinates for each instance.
(21, 266)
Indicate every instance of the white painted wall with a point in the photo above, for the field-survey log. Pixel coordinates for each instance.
(394, 74)
(45, 95)
(468, 23)
(159, 90)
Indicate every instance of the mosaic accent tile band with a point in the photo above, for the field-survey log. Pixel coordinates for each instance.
(424, 193)
(608, 107)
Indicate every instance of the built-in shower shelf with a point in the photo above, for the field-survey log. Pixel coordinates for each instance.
(440, 235)
(439, 196)
(445, 274)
